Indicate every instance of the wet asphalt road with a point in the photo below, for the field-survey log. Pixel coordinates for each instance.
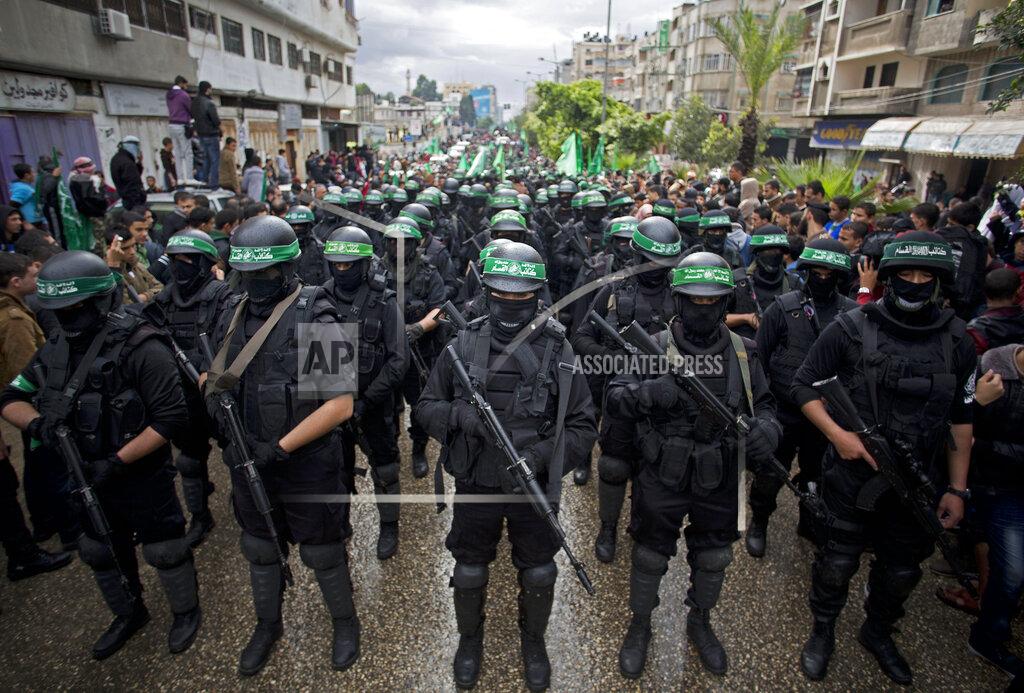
(48, 623)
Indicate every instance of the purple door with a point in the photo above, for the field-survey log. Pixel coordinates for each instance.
(26, 137)
(10, 154)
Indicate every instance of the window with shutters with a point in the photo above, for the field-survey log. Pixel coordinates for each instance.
(259, 45)
(202, 20)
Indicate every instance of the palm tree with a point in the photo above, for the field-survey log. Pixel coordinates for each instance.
(758, 45)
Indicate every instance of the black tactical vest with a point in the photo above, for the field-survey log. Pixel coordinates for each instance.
(312, 266)
(187, 320)
(367, 309)
(633, 302)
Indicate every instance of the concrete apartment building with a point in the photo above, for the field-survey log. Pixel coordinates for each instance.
(909, 81)
(282, 72)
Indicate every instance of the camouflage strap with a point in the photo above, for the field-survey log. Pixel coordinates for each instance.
(220, 380)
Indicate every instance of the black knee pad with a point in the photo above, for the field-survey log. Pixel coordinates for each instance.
(95, 554)
(166, 554)
(469, 576)
(386, 474)
(836, 570)
(613, 470)
(540, 576)
(258, 551)
(647, 561)
(322, 556)
(713, 560)
(188, 466)
(900, 581)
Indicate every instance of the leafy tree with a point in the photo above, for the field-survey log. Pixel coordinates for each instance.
(758, 45)
(691, 124)
(485, 123)
(362, 89)
(562, 109)
(426, 89)
(389, 97)
(467, 114)
(1009, 26)
(723, 143)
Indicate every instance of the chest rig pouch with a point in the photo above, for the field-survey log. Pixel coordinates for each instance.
(367, 309)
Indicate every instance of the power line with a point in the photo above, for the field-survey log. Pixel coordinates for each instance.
(936, 91)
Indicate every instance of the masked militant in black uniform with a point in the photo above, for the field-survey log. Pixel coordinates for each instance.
(106, 385)
(528, 378)
(791, 324)
(758, 285)
(690, 467)
(293, 437)
(362, 297)
(909, 367)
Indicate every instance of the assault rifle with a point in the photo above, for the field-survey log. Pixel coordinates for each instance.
(899, 470)
(517, 466)
(248, 464)
(633, 335)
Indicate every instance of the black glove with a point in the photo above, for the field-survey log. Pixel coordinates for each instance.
(44, 429)
(414, 331)
(762, 439)
(101, 471)
(465, 417)
(266, 454)
(216, 413)
(358, 409)
(660, 393)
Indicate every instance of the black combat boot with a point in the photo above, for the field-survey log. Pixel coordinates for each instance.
(877, 639)
(419, 459)
(700, 633)
(581, 474)
(182, 590)
(267, 588)
(469, 615)
(35, 561)
(387, 540)
(818, 650)
(644, 582)
(130, 613)
(604, 545)
(757, 538)
(336, 588)
(534, 609)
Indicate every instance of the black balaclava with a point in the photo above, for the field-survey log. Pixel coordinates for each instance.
(82, 321)
(910, 303)
(620, 250)
(700, 323)
(265, 292)
(409, 248)
(714, 241)
(822, 289)
(653, 278)
(769, 262)
(508, 317)
(189, 278)
(302, 231)
(347, 282)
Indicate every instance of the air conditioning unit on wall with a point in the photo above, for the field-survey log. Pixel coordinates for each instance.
(310, 82)
(115, 25)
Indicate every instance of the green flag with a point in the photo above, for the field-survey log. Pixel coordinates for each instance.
(76, 228)
(263, 190)
(570, 163)
(653, 166)
(597, 160)
(479, 161)
(526, 144)
(463, 164)
(499, 162)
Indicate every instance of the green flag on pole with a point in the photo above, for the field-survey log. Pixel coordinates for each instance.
(77, 229)
(263, 190)
(597, 160)
(479, 161)
(499, 162)
(463, 164)
(653, 166)
(570, 163)
(526, 144)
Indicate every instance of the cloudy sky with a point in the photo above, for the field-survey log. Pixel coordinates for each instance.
(483, 41)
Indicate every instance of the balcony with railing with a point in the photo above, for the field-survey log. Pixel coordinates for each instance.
(875, 100)
(886, 33)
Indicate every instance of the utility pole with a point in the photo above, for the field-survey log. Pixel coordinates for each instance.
(408, 82)
(607, 50)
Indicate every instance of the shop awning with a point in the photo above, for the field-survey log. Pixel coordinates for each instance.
(888, 133)
(936, 135)
(992, 138)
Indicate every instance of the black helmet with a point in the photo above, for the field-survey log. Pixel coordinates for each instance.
(192, 242)
(503, 198)
(72, 277)
(348, 244)
(492, 246)
(353, 198)
(374, 198)
(622, 227)
(768, 237)
(620, 199)
(525, 201)
(430, 198)
(917, 250)
(663, 207)
(261, 242)
(514, 267)
(412, 185)
(593, 199)
(446, 201)
(657, 240)
(826, 253)
(451, 186)
(703, 274)
(688, 219)
(420, 214)
(299, 215)
(508, 220)
(567, 187)
(715, 219)
(478, 195)
(403, 227)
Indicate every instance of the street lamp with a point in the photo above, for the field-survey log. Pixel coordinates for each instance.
(557, 65)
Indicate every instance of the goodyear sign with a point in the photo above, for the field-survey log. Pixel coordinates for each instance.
(840, 134)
